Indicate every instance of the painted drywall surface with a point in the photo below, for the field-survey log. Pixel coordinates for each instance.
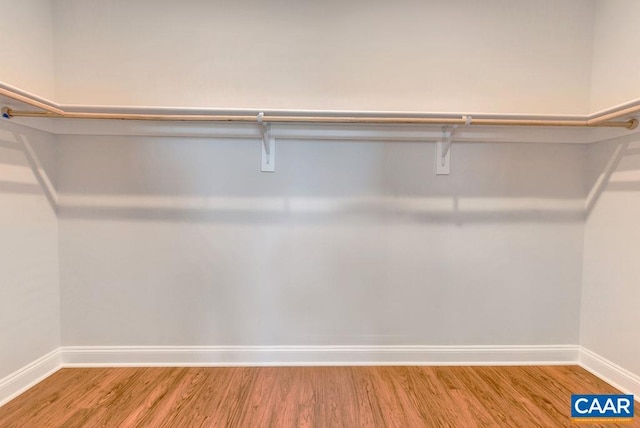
(184, 242)
(26, 47)
(29, 286)
(610, 294)
(616, 53)
(462, 55)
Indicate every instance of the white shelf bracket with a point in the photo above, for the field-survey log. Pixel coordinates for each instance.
(268, 146)
(443, 152)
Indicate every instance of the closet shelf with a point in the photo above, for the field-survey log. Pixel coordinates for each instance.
(610, 118)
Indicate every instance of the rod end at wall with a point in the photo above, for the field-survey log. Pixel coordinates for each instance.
(6, 113)
(633, 124)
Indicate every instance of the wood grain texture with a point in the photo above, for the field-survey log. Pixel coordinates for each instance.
(528, 396)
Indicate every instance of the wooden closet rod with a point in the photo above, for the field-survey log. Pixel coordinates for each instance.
(52, 111)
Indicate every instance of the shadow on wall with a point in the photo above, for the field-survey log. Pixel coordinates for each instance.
(130, 189)
(613, 166)
(133, 273)
(21, 171)
(185, 241)
(195, 180)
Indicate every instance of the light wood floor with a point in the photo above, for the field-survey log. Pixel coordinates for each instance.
(305, 396)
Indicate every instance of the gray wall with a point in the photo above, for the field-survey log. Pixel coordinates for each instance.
(611, 285)
(509, 56)
(27, 51)
(184, 242)
(616, 63)
(29, 287)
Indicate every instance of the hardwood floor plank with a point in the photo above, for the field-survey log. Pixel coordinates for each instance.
(439, 412)
(367, 411)
(305, 397)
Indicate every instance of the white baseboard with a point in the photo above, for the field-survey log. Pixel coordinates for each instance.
(119, 356)
(610, 372)
(149, 356)
(19, 381)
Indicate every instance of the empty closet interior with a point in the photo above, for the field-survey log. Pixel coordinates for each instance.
(219, 183)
